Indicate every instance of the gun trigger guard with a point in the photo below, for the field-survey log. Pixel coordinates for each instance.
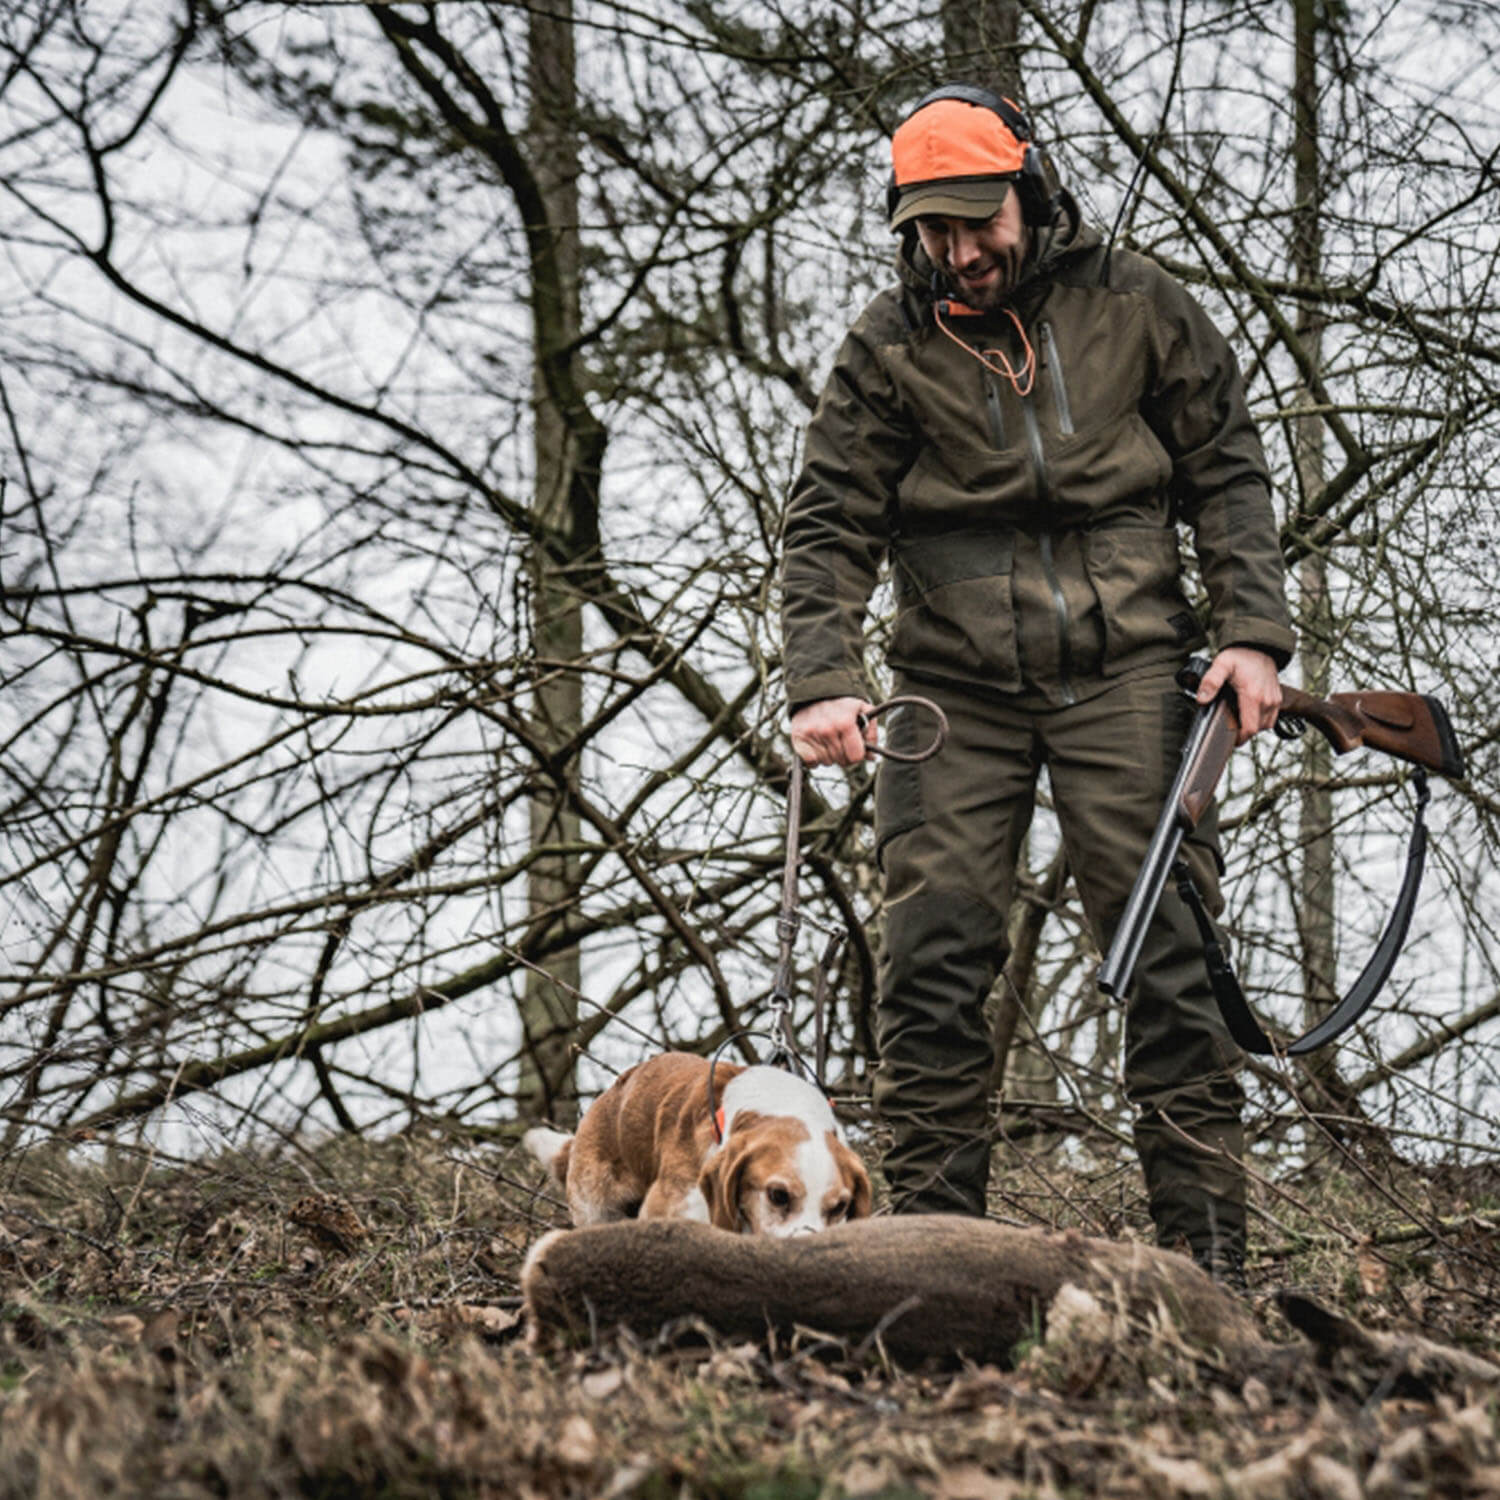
(1289, 727)
(1191, 673)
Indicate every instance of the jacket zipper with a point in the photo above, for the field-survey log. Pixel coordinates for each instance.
(1053, 361)
(992, 404)
(1049, 566)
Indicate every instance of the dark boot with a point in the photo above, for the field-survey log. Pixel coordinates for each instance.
(1195, 1181)
(1225, 1262)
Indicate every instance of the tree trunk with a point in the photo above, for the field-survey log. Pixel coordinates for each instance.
(981, 44)
(566, 502)
(1315, 894)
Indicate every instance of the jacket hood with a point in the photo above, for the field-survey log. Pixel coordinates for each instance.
(1066, 236)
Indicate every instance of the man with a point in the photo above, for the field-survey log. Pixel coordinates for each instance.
(1019, 426)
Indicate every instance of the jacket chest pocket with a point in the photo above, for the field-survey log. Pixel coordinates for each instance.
(1136, 573)
(1051, 360)
(954, 616)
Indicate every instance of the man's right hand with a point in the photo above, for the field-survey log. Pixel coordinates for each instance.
(827, 733)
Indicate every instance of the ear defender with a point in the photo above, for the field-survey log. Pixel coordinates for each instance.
(1035, 177)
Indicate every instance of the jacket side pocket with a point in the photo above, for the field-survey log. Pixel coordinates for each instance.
(1136, 571)
(954, 616)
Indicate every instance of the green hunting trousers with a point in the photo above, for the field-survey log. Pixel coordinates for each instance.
(949, 832)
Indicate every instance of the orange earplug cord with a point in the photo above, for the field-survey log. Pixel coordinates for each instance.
(1021, 380)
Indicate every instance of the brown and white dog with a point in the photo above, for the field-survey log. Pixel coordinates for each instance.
(648, 1148)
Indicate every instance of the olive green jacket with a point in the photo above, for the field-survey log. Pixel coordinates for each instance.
(1033, 538)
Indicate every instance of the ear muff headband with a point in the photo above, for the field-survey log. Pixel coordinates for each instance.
(1036, 183)
(1011, 113)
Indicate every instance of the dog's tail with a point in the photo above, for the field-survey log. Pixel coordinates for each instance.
(552, 1148)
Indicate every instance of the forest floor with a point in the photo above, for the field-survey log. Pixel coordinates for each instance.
(341, 1319)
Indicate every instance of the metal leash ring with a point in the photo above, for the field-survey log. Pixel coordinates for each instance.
(913, 701)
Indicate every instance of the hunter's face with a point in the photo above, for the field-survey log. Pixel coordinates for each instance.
(981, 257)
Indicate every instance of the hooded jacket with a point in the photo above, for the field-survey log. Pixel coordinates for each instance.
(1032, 538)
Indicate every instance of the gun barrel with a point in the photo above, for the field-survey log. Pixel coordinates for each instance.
(1119, 963)
(1115, 972)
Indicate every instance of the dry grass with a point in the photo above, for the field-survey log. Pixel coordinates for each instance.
(334, 1321)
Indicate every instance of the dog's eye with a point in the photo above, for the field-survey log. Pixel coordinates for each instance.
(778, 1197)
(839, 1209)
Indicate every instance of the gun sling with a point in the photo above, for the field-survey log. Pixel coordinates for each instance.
(1239, 1018)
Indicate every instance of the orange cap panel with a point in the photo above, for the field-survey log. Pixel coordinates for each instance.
(951, 138)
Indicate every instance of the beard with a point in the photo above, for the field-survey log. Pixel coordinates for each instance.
(1007, 265)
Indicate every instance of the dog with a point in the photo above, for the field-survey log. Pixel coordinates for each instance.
(776, 1164)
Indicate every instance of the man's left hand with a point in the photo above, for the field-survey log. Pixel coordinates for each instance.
(1257, 688)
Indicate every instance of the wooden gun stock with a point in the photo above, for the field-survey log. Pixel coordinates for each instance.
(1407, 725)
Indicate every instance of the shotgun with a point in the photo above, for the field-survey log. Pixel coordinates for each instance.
(1409, 726)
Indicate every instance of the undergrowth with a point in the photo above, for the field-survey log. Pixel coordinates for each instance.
(340, 1319)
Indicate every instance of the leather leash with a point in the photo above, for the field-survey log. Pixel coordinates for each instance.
(789, 920)
(784, 1052)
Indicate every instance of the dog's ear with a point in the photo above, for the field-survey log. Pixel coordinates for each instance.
(720, 1185)
(858, 1179)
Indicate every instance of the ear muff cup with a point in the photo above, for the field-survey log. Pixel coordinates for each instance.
(1037, 185)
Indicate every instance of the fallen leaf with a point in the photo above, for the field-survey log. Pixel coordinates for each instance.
(127, 1328)
(490, 1321)
(1374, 1274)
(577, 1443)
(454, 1318)
(736, 1362)
(1272, 1477)
(1405, 1447)
(978, 1388)
(634, 1473)
(1330, 1480)
(599, 1385)
(830, 1380)
(1474, 1419)
(867, 1477)
(1384, 1482)
(1255, 1395)
(972, 1482)
(1179, 1476)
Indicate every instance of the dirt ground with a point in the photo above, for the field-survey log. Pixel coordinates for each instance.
(341, 1319)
